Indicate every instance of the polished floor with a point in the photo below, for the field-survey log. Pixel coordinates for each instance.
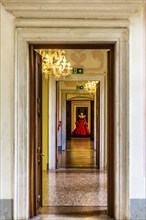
(79, 154)
(77, 190)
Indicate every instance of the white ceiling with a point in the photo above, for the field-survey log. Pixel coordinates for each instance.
(83, 9)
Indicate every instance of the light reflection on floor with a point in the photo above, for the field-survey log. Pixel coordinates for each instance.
(79, 154)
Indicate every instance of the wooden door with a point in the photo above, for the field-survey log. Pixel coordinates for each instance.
(35, 166)
(110, 137)
(38, 134)
(98, 125)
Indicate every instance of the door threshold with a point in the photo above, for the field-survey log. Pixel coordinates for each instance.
(74, 210)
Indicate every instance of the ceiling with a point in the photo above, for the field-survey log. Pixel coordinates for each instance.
(77, 9)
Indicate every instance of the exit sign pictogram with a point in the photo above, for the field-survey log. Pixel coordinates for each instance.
(77, 70)
(80, 87)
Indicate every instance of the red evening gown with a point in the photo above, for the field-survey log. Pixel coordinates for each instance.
(81, 128)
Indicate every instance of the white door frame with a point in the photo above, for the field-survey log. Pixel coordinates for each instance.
(95, 35)
(103, 127)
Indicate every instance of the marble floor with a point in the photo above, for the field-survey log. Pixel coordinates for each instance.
(77, 190)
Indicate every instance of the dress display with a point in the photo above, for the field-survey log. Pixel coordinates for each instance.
(81, 126)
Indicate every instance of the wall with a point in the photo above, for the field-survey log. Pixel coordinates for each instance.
(92, 61)
(65, 35)
(52, 123)
(7, 96)
(137, 114)
(6, 113)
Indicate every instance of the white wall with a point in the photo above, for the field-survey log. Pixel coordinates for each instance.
(6, 104)
(137, 105)
(52, 123)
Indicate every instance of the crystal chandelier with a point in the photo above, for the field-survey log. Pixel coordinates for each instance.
(91, 87)
(54, 62)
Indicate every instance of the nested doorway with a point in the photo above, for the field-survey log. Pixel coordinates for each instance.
(35, 125)
(80, 150)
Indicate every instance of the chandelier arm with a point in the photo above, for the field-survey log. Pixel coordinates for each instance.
(54, 62)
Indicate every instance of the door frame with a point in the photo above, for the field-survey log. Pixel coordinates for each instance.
(116, 36)
(110, 115)
(103, 129)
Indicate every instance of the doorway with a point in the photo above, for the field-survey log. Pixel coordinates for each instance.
(110, 110)
(82, 136)
(79, 151)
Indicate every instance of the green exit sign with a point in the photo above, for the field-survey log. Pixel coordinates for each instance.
(77, 70)
(80, 87)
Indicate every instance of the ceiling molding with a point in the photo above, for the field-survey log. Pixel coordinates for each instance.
(77, 9)
(20, 22)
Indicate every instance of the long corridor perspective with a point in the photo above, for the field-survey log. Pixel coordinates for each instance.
(79, 154)
(77, 189)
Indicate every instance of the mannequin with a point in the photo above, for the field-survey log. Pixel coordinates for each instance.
(81, 126)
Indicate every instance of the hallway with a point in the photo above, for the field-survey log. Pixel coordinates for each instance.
(79, 154)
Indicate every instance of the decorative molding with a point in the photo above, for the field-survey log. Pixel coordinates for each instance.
(66, 23)
(108, 9)
(24, 36)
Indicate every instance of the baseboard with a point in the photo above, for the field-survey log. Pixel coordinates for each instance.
(6, 209)
(138, 209)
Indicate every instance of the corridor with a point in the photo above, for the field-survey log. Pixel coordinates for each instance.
(79, 154)
(77, 190)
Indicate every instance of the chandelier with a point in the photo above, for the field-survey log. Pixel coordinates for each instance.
(54, 62)
(91, 87)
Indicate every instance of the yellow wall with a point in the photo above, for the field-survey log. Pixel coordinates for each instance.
(45, 122)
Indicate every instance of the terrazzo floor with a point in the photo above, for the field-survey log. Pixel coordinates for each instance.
(77, 190)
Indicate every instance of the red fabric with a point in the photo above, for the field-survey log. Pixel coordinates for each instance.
(81, 128)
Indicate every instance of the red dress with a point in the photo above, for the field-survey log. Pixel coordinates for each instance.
(81, 128)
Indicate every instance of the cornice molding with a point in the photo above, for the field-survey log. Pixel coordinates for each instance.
(24, 36)
(20, 22)
(99, 9)
(69, 35)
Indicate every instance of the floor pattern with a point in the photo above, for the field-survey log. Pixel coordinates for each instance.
(75, 188)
